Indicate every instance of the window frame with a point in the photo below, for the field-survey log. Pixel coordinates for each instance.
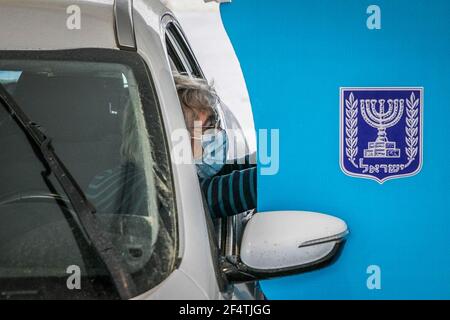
(227, 233)
(176, 41)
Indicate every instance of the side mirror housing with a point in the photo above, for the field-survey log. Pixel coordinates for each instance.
(287, 242)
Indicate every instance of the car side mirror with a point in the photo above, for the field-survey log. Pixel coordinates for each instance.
(286, 242)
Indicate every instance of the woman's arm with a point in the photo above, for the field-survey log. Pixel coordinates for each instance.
(232, 193)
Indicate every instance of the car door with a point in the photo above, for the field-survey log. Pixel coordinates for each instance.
(227, 233)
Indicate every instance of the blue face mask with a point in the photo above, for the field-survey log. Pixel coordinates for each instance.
(215, 148)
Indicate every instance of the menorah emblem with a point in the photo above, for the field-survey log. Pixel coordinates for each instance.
(375, 114)
(393, 112)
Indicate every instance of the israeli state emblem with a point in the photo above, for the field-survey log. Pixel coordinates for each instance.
(381, 132)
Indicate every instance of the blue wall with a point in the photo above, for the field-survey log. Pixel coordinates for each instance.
(295, 56)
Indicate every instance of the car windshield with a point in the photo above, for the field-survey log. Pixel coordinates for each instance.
(100, 110)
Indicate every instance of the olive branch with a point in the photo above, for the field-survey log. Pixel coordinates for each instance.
(412, 130)
(351, 128)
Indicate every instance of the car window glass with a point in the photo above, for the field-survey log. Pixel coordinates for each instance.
(94, 113)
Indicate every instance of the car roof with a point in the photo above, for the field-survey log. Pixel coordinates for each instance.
(48, 24)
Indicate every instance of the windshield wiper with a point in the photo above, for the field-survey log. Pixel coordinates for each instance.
(84, 210)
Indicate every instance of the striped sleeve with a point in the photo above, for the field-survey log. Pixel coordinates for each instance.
(232, 193)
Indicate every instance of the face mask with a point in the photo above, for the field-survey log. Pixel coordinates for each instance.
(215, 148)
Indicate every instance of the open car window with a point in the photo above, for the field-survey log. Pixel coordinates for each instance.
(228, 231)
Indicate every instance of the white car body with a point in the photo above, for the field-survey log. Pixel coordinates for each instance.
(42, 26)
